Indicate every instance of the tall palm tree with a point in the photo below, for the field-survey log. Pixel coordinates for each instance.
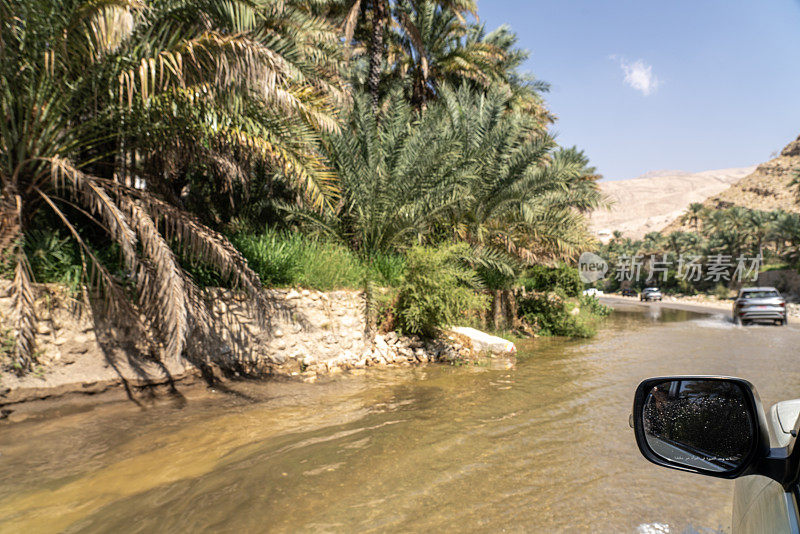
(785, 231)
(727, 231)
(102, 104)
(444, 49)
(396, 175)
(380, 16)
(653, 242)
(525, 197)
(694, 214)
(683, 242)
(465, 170)
(759, 225)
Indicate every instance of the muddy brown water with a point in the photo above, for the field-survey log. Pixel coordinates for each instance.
(542, 447)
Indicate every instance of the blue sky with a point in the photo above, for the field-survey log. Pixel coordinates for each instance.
(680, 84)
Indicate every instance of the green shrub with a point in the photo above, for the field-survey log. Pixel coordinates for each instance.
(592, 305)
(543, 278)
(721, 291)
(437, 290)
(552, 314)
(53, 259)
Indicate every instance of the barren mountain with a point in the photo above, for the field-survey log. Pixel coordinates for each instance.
(767, 188)
(655, 199)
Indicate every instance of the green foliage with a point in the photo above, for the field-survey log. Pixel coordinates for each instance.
(467, 168)
(544, 278)
(145, 155)
(437, 289)
(290, 258)
(721, 291)
(549, 315)
(53, 258)
(592, 304)
(553, 314)
(387, 269)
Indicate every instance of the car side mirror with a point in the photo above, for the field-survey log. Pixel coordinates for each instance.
(712, 426)
(705, 425)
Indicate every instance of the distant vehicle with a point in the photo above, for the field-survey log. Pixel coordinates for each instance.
(628, 292)
(759, 304)
(650, 293)
(593, 291)
(716, 426)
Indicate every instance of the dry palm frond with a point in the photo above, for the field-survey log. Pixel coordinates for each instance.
(350, 22)
(162, 288)
(91, 194)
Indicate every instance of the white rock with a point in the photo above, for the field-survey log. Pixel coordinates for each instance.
(293, 295)
(484, 342)
(380, 343)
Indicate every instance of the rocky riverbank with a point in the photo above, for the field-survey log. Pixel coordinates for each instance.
(309, 334)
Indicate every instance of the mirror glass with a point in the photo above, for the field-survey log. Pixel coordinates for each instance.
(704, 424)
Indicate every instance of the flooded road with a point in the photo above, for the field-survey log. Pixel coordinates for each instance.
(542, 447)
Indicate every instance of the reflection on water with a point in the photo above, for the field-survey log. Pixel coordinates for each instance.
(544, 446)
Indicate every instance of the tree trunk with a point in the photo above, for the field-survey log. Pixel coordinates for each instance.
(497, 308)
(376, 51)
(510, 308)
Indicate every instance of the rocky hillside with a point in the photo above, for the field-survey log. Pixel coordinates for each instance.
(767, 188)
(653, 200)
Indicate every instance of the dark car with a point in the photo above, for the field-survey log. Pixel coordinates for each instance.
(759, 304)
(628, 292)
(716, 426)
(650, 293)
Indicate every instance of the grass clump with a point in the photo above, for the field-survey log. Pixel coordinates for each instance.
(285, 259)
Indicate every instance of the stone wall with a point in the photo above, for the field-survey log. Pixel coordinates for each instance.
(313, 333)
(309, 333)
(306, 328)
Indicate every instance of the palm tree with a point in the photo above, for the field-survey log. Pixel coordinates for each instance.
(445, 50)
(525, 197)
(396, 175)
(381, 15)
(465, 170)
(759, 224)
(694, 214)
(653, 242)
(785, 232)
(102, 106)
(682, 242)
(727, 231)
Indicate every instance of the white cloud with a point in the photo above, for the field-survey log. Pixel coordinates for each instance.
(639, 75)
